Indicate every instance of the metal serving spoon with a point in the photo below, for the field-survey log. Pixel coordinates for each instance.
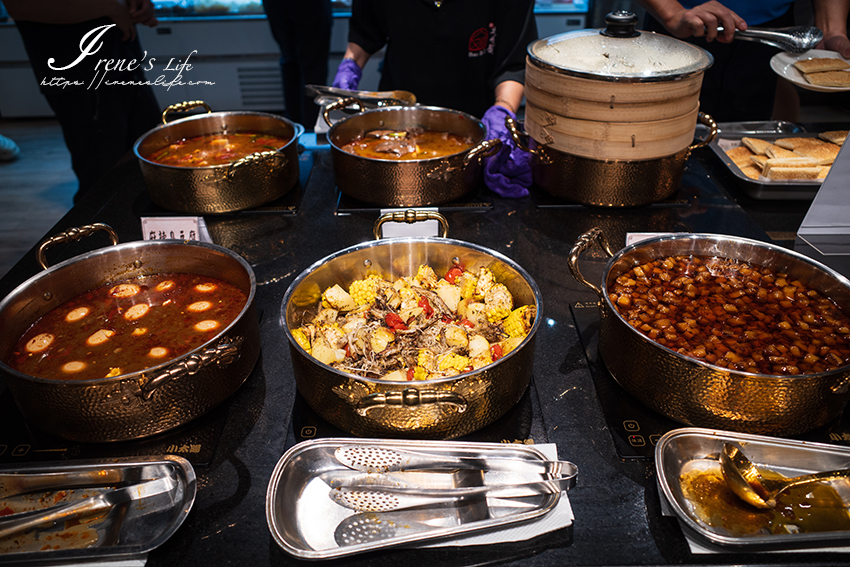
(745, 480)
(795, 39)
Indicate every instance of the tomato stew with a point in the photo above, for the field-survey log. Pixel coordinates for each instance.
(216, 149)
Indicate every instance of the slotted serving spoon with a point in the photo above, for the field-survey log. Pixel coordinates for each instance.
(368, 528)
(369, 498)
(745, 480)
(372, 459)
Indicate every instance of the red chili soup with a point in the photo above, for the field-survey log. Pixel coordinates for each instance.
(216, 149)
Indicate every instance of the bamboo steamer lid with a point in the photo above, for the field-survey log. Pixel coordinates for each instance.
(615, 93)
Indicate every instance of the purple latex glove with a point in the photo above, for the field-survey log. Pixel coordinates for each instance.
(348, 75)
(508, 173)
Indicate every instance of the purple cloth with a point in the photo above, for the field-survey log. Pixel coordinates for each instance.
(348, 75)
(508, 173)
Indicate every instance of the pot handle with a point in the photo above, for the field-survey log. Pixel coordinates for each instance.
(224, 353)
(584, 241)
(411, 397)
(485, 148)
(706, 120)
(275, 159)
(183, 107)
(517, 136)
(71, 235)
(339, 105)
(411, 216)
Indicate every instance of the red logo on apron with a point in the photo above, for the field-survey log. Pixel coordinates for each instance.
(478, 40)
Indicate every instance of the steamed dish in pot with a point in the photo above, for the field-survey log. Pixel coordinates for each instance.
(418, 327)
(409, 144)
(734, 314)
(127, 326)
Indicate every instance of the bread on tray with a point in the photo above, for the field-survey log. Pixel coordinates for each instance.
(821, 64)
(756, 145)
(829, 79)
(834, 136)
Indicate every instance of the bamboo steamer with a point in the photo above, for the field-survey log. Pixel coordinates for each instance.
(605, 98)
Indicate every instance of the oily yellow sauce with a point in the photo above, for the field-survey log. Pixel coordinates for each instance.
(410, 144)
(801, 509)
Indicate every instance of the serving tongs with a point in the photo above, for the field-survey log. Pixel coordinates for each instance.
(323, 95)
(107, 499)
(373, 459)
(370, 498)
(794, 39)
(12, 484)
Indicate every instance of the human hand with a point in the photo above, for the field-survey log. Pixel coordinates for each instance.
(838, 43)
(142, 12)
(348, 75)
(508, 173)
(703, 21)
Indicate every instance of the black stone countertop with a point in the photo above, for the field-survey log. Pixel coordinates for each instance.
(618, 520)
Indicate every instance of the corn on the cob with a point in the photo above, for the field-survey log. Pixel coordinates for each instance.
(363, 291)
(519, 322)
(485, 282)
(454, 361)
(467, 283)
(420, 373)
(499, 303)
(301, 338)
(426, 277)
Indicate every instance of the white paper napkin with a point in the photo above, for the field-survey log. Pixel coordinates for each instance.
(559, 517)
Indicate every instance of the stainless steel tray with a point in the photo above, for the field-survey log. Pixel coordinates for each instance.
(308, 524)
(730, 135)
(691, 450)
(125, 531)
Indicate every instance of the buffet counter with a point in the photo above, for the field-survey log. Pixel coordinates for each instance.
(616, 502)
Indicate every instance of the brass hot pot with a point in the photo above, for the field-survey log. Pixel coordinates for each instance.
(143, 403)
(697, 393)
(408, 183)
(248, 182)
(612, 113)
(442, 408)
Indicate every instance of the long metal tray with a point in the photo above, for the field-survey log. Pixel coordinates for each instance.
(308, 524)
(693, 451)
(126, 531)
(730, 135)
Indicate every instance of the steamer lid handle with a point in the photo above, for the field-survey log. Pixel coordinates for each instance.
(620, 24)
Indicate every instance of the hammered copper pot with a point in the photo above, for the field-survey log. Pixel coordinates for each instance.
(143, 403)
(697, 393)
(249, 182)
(441, 408)
(407, 183)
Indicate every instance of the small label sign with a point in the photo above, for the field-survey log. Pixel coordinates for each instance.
(175, 228)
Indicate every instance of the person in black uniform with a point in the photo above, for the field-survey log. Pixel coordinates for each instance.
(467, 55)
(100, 123)
(302, 29)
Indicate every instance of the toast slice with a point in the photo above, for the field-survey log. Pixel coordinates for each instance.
(799, 142)
(829, 79)
(751, 171)
(756, 145)
(740, 155)
(824, 171)
(789, 163)
(793, 173)
(774, 151)
(759, 161)
(834, 136)
(824, 153)
(821, 64)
